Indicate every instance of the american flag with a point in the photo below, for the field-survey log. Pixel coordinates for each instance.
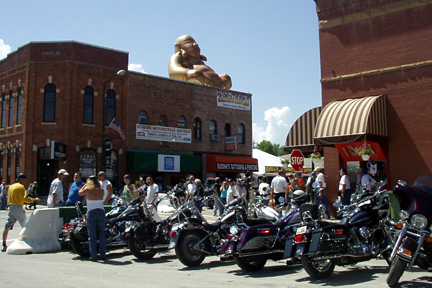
(116, 126)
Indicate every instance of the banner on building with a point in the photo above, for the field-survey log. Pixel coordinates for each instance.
(164, 134)
(234, 100)
(168, 163)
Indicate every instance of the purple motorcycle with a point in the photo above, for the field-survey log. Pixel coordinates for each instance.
(414, 244)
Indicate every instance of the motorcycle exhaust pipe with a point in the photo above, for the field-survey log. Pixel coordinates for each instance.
(260, 253)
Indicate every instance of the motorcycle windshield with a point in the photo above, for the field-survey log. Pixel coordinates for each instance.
(424, 183)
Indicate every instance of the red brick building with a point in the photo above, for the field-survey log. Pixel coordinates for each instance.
(53, 91)
(375, 48)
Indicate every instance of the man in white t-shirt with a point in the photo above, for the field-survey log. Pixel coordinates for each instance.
(231, 192)
(191, 187)
(152, 191)
(264, 190)
(106, 186)
(367, 181)
(279, 185)
(55, 196)
(345, 187)
(320, 180)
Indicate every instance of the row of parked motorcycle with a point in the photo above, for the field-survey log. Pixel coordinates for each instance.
(297, 232)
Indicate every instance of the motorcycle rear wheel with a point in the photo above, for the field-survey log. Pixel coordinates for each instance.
(186, 253)
(396, 271)
(318, 269)
(252, 263)
(138, 248)
(81, 248)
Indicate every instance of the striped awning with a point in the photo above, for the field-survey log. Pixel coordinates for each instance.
(301, 134)
(352, 120)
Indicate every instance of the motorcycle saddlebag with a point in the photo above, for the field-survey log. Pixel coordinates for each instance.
(328, 240)
(80, 232)
(145, 231)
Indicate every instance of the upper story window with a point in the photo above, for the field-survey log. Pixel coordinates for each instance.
(88, 105)
(143, 117)
(11, 107)
(227, 130)
(241, 134)
(110, 106)
(49, 103)
(213, 127)
(163, 121)
(182, 123)
(19, 106)
(3, 111)
(197, 128)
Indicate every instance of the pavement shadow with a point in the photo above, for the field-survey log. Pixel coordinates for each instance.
(419, 282)
(158, 259)
(270, 271)
(208, 265)
(350, 275)
(111, 258)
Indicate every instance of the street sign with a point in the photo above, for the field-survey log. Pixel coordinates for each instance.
(297, 160)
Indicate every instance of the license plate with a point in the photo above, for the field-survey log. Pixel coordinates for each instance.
(301, 230)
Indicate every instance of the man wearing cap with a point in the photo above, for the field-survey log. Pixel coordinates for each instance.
(345, 187)
(16, 199)
(278, 187)
(55, 197)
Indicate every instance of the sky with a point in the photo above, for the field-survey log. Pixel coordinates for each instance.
(269, 48)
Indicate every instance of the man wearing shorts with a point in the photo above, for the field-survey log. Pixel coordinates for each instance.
(16, 199)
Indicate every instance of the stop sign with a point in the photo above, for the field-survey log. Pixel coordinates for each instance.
(297, 160)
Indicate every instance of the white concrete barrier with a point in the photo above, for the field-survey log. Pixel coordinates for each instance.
(40, 234)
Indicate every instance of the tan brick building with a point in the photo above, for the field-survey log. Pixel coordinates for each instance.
(53, 91)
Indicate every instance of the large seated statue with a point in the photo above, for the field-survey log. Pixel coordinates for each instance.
(187, 64)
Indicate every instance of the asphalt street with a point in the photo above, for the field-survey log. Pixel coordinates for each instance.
(122, 269)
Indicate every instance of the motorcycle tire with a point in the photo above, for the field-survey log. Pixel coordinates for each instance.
(318, 269)
(185, 252)
(137, 249)
(396, 271)
(82, 248)
(252, 263)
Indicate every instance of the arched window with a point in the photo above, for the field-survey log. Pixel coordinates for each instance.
(143, 117)
(227, 130)
(11, 107)
(49, 103)
(163, 121)
(241, 134)
(3, 112)
(19, 106)
(110, 106)
(88, 105)
(213, 127)
(182, 122)
(197, 128)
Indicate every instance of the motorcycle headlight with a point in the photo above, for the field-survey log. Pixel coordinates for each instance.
(234, 230)
(419, 221)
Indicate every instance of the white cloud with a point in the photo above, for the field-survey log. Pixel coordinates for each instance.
(136, 67)
(278, 124)
(4, 49)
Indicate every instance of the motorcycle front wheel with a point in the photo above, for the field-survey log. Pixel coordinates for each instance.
(252, 263)
(81, 248)
(186, 251)
(396, 271)
(138, 249)
(318, 269)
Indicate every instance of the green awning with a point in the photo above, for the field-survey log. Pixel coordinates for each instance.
(148, 162)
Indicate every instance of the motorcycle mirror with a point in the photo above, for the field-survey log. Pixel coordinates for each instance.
(314, 185)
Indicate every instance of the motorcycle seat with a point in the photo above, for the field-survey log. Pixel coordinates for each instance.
(279, 223)
(258, 221)
(212, 227)
(344, 221)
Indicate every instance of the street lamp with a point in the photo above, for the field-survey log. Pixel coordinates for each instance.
(120, 73)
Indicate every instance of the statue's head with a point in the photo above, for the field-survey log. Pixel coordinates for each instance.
(187, 46)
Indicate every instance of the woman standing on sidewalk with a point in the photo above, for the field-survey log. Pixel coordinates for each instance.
(95, 216)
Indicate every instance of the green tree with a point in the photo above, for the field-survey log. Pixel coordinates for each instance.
(271, 148)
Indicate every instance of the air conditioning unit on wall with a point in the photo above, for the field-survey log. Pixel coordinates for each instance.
(214, 137)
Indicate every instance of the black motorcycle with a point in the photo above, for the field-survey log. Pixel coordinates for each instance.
(414, 244)
(121, 216)
(363, 235)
